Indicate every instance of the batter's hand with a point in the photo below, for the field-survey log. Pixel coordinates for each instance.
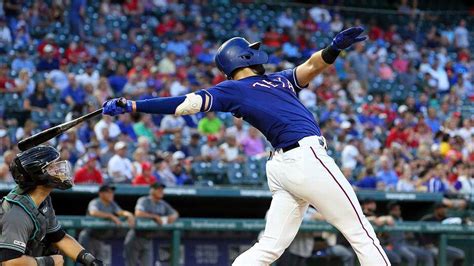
(348, 37)
(117, 106)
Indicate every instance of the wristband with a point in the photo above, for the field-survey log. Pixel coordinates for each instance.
(329, 54)
(85, 257)
(44, 261)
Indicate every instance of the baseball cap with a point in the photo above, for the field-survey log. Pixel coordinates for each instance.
(106, 187)
(92, 156)
(178, 155)
(157, 184)
(146, 166)
(211, 138)
(120, 145)
(345, 125)
(48, 48)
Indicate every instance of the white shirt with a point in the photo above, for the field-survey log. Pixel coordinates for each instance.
(349, 156)
(121, 165)
(177, 89)
(172, 122)
(212, 152)
(5, 35)
(230, 153)
(461, 36)
(371, 144)
(114, 130)
(85, 78)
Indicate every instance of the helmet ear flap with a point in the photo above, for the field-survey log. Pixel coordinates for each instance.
(19, 174)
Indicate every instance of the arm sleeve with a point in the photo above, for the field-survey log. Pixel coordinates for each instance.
(16, 229)
(93, 206)
(290, 75)
(169, 210)
(165, 105)
(141, 205)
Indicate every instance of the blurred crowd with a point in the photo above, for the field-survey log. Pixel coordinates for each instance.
(396, 110)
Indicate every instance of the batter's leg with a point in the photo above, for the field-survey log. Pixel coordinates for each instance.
(282, 223)
(324, 186)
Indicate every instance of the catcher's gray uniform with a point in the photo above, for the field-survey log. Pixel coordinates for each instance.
(23, 233)
(139, 244)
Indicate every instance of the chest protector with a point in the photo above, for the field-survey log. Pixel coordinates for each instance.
(39, 220)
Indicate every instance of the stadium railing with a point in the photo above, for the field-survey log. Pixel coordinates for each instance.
(73, 223)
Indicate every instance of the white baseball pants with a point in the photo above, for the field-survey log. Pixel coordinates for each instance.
(307, 175)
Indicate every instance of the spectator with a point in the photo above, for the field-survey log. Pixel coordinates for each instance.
(178, 145)
(139, 157)
(238, 130)
(461, 35)
(126, 127)
(370, 143)
(410, 253)
(167, 64)
(119, 79)
(430, 241)
(210, 151)
(285, 20)
(194, 146)
(38, 102)
(387, 176)
(23, 61)
(106, 124)
(105, 207)
(90, 76)
(58, 79)
(230, 151)
(171, 124)
(210, 125)
(351, 156)
(74, 95)
(179, 170)
(146, 177)
(139, 244)
(253, 145)
(77, 13)
(5, 174)
(358, 62)
(120, 168)
(5, 36)
(89, 174)
(24, 84)
(48, 61)
(145, 128)
(405, 183)
(368, 180)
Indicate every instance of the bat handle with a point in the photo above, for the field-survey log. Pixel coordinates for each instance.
(122, 102)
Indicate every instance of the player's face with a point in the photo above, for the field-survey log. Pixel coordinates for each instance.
(157, 193)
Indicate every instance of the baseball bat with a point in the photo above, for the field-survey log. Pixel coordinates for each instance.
(55, 131)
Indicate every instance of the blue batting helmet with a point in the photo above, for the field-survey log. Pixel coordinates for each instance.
(238, 52)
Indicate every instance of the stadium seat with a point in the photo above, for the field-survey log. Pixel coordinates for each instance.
(235, 174)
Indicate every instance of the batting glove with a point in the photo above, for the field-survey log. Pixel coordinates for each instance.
(117, 106)
(348, 37)
(88, 259)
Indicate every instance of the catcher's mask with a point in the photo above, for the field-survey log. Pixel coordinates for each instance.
(41, 166)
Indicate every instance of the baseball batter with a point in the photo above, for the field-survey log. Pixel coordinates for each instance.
(30, 232)
(300, 171)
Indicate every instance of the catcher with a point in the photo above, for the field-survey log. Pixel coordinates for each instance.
(30, 232)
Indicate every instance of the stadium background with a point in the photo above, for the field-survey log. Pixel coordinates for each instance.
(398, 112)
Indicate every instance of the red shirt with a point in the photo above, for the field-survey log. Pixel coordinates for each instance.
(84, 176)
(144, 180)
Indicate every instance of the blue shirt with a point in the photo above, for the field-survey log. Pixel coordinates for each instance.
(78, 94)
(389, 177)
(269, 103)
(117, 83)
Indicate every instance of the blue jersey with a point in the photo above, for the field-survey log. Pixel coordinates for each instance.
(269, 103)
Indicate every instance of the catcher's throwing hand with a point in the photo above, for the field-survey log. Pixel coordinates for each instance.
(117, 106)
(348, 37)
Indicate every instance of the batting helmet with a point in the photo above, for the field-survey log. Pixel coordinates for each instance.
(40, 166)
(237, 53)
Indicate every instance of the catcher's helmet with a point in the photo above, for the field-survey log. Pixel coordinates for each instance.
(40, 166)
(237, 53)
